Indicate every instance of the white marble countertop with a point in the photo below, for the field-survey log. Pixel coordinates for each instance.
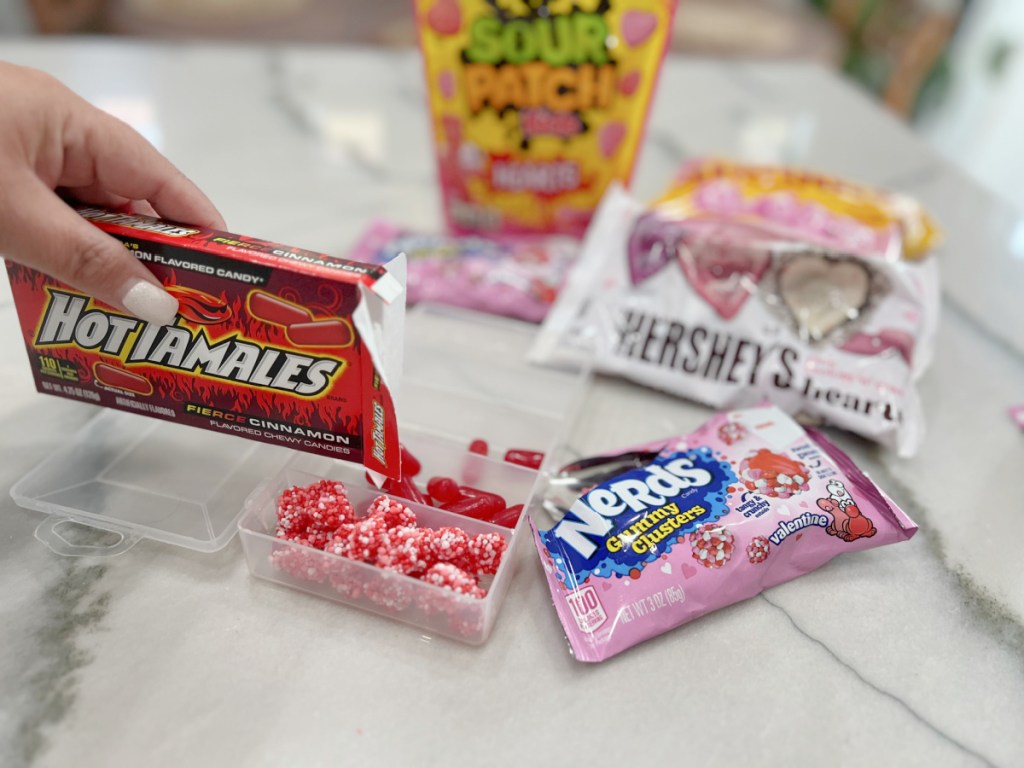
(907, 655)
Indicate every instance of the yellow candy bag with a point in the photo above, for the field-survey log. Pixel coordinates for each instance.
(537, 105)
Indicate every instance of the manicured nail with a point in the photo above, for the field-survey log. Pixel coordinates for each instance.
(150, 303)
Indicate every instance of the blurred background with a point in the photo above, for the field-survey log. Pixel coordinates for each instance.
(948, 67)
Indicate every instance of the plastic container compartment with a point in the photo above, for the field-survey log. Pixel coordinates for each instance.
(137, 478)
(465, 378)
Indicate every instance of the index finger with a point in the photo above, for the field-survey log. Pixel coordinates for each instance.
(126, 164)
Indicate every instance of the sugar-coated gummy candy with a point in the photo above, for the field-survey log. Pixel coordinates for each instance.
(393, 513)
(454, 578)
(320, 517)
(484, 553)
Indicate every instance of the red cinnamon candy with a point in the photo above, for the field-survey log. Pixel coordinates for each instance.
(118, 378)
(443, 490)
(332, 332)
(275, 310)
(410, 464)
(477, 504)
(530, 459)
(405, 488)
(509, 517)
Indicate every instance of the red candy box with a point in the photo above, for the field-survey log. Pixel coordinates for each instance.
(272, 343)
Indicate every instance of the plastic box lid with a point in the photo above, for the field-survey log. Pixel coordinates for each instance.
(135, 477)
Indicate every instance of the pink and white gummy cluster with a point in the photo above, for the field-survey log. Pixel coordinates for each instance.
(320, 516)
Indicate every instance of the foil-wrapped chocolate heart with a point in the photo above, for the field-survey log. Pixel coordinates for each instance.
(725, 274)
(823, 293)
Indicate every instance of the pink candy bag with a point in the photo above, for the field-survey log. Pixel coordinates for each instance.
(512, 276)
(748, 501)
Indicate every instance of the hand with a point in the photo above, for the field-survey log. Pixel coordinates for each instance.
(52, 139)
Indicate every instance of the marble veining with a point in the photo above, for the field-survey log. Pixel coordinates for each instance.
(74, 604)
(876, 688)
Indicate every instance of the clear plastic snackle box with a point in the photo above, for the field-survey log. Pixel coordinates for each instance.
(137, 478)
(466, 378)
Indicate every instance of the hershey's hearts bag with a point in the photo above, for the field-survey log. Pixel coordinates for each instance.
(745, 283)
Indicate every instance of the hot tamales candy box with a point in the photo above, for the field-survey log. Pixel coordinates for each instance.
(273, 343)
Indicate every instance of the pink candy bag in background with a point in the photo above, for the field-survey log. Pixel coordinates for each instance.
(516, 277)
(748, 501)
(744, 283)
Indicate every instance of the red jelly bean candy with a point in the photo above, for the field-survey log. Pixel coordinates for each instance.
(405, 488)
(477, 507)
(531, 459)
(509, 517)
(477, 504)
(443, 490)
(410, 464)
(479, 446)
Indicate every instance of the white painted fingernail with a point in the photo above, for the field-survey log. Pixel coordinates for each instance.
(150, 303)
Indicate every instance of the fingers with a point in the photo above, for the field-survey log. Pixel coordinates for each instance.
(102, 199)
(107, 155)
(41, 232)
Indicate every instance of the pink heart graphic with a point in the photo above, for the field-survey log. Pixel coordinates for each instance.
(724, 275)
(687, 570)
(651, 247)
(637, 26)
(629, 83)
(444, 17)
(606, 584)
(805, 505)
(446, 83)
(610, 137)
(883, 341)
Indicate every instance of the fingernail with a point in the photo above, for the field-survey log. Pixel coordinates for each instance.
(150, 303)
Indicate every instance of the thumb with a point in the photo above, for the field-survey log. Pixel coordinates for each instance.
(42, 232)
